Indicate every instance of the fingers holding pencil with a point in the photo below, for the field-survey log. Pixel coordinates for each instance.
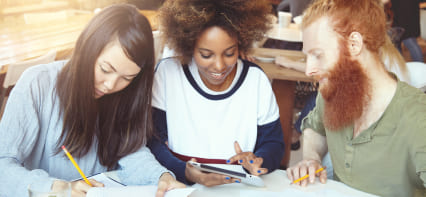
(80, 188)
(305, 172)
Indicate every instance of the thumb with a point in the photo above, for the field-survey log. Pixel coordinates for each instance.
(237, 147)
(161, 189)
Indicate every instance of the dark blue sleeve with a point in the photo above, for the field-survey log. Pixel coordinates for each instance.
(309, 105)
(158, 147)
(270, 145)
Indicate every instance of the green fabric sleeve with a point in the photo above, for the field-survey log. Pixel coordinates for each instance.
(314, 119)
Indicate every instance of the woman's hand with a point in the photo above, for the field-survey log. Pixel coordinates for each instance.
(248, 160)
(206, 178)
(167, 182)
(307, 166)
(80, 188)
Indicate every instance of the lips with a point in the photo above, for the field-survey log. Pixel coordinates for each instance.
(218, 76)
(99, 93)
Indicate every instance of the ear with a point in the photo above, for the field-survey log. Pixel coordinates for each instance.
(355, 43)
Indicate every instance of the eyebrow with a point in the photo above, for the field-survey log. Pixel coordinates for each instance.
(115, 70)
(204, 49)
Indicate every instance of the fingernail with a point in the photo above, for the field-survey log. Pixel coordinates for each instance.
(251, 161)
(227, 178)
(241, 161)
(259, 171)
(237, 181)
(228, 161)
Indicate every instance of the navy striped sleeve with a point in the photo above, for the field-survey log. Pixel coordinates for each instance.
(270, 145)
(158, 147)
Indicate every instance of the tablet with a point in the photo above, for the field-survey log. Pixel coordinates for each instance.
(235, 171)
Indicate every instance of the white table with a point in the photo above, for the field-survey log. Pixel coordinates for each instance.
(276, 184)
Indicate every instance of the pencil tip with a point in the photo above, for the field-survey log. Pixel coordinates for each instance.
(63, 147)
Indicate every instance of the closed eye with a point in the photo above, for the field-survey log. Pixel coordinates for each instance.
(128, 78)
(104, 69)
(229, 55)
(205, 56)
(318, 56)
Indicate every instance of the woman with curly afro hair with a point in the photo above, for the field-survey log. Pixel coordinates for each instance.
(209, 105)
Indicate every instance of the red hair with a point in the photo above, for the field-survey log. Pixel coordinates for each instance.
(364, 16)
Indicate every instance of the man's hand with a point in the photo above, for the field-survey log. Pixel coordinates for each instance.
(248, 160)
(167, 182)
(306, 167)
(205, 178)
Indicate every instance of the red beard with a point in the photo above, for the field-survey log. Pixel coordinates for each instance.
(345, 93)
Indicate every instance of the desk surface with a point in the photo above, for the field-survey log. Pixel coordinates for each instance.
(20, 41)
(277, 184)
(274, 71)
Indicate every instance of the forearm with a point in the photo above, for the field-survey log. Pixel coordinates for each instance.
(140, 168)
(161, 151)
(314, 145)
(168, 160)
(270, 145)
(272, 154)
(14, 178)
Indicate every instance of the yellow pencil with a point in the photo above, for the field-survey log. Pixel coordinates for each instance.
(76, 166)
(306, 176)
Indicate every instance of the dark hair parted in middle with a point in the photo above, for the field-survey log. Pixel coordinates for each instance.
(119, 123)
(182, 21)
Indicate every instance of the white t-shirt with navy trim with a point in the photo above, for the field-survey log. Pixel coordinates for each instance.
(204, 123)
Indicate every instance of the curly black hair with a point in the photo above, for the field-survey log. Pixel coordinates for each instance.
(183, 21)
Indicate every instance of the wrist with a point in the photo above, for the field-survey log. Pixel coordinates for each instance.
(312, 161)
(188, 176)
(166, 176)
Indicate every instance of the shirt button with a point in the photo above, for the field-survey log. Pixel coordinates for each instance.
(347, 165)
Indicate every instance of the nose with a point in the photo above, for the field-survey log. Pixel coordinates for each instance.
(219, 64)
(311, 68)
(110, 83)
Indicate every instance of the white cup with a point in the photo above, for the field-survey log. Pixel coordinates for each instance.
(298, 19)
(61, 189)
(284, 19)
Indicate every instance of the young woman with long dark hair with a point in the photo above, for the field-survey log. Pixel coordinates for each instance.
(97, 104)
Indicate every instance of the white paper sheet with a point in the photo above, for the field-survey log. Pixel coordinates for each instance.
(295, 193)
(108, 182)
(133, 191)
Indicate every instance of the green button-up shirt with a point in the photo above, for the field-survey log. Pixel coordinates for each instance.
(388, 158)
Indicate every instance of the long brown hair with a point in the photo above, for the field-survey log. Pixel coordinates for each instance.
(120, 123)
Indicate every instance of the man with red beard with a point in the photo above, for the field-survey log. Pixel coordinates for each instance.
(373, 125)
